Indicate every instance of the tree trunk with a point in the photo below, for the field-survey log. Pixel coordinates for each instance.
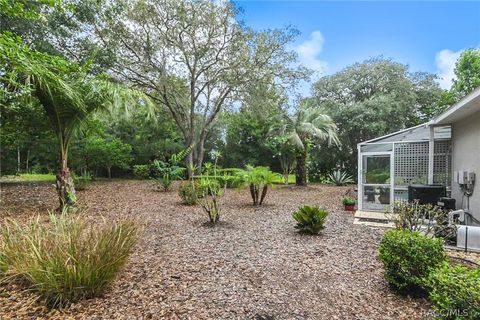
(109, 169)
(65, 186)
(253, 192)
(264, 193)
(28, 157)
(200, 152)
(301, 174)
(18, 159)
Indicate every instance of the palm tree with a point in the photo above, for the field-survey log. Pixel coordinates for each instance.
(66, 92)
(307, 125)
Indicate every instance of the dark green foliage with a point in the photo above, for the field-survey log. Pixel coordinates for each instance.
(141, 171)
(408, 257)
(68, 259)
(310, 219)
(348, 201)
(455, 292)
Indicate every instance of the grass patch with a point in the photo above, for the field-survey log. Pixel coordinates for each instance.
(67, 259)
(29, 177)
(279, 180)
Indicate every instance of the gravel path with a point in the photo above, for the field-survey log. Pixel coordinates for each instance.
(251, 266)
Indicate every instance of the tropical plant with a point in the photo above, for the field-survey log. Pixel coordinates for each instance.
(339, 178)
(190, 192)
(168, 171)
(212, 191)
(258, 179)
(455, 292)
(310, 219)
(307, 126)
(408, 257)
(68, 94)
(68, 259)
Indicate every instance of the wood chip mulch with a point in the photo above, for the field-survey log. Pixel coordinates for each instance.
(253, 265)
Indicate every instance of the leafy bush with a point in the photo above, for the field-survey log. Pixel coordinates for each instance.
(67, 259)
(258, 179)
(430, 220)
(309, 219)
(408, 257)
(190, 192)
(141, 171)
(340, 178)
(82, 182)
(455, 292)
(348, 201)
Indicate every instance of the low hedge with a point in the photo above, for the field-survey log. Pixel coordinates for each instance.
(408, 258)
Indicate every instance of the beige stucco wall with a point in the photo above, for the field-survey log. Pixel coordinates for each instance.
(466, 156)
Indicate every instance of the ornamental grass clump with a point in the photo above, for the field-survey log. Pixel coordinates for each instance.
(310, 220)
(67, 259)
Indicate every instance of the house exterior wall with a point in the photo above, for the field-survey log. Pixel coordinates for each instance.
(466, 156)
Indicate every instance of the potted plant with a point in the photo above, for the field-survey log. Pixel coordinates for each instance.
(349, 203)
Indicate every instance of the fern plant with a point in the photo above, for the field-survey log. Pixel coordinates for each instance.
(310, 219)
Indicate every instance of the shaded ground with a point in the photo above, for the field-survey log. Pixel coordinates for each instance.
(252, 266)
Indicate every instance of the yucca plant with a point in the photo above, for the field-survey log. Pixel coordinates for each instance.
(310, 219)
(258, 179)
(339, 178)
(67, 259)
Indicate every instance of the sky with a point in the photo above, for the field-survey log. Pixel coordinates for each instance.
(428, 36)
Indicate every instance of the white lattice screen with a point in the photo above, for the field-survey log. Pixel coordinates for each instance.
(411, 163)
(442, 162)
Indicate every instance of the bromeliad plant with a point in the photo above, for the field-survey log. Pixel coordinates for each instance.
(310, 219)
(258, 179)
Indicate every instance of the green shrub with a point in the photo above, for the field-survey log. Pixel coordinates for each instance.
(408, 257)
(190, 192)
(67, 259)
(455, 292)
(309, 219)
(348, 201)
(82, 182)
(141, 171)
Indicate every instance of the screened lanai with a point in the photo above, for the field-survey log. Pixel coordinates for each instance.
(388, 165)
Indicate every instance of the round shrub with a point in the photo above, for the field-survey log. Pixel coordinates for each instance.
(141, 171)
(455, 292)
(408, 257)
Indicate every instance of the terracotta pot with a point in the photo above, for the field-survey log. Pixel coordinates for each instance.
(349, 207)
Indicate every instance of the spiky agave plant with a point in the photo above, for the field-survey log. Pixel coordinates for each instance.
(310, 219)
(339, 178)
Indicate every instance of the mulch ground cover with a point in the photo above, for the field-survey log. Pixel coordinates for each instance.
(253, 265)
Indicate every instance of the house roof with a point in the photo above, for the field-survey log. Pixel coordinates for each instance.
(465, 108)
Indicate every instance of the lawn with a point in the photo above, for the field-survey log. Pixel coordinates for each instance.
(29, 177)
(253, 265)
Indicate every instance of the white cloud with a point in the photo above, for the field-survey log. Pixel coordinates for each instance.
(445, 62)
(309, 50)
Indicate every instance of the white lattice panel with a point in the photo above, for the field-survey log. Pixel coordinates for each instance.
(442, 162)
(411, 163)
